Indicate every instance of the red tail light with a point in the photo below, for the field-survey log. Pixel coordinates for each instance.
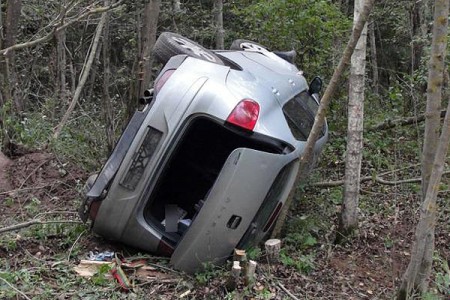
(163, 79)
(245, 114)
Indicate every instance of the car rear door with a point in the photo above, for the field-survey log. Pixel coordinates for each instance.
(232, 203)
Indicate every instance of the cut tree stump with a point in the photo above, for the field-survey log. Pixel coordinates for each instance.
(250, 273)
(273, 247)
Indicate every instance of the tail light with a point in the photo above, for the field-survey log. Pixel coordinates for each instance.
(163, 79)
(245, 114)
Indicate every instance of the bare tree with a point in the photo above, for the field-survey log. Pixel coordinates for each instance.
(324, 103)
(349, 215)
(415, 279)
(83, 78)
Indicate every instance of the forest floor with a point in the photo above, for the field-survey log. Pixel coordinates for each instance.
(37, 262)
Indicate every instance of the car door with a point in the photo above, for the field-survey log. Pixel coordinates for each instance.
(232, 203)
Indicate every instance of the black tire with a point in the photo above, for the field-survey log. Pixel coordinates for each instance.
(170, 44)
(241, 44)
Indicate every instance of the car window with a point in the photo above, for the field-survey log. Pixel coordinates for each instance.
(299, 113)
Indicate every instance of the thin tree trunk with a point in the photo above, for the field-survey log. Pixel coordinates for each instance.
(415, 279)
(320, 116)
(218, 16)
(10, 79)
(148, 34)
(434, 90)
(84, 76)
(374, 60)
(106, 102)
(61, 87)
(349, 213)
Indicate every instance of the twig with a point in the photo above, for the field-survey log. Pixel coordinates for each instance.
(287, 291)
(36, 222)
(14, 288)
(34, 171)
(74, 243)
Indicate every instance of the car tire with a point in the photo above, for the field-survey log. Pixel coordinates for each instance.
(170, 44)
(246, 45)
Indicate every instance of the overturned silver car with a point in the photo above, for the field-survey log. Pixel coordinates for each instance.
(206, 165)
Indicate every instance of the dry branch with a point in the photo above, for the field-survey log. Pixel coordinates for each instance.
(388, 123)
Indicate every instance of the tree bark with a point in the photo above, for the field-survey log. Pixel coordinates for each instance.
(84, 76)
(218, 16)
(348, 220)
(434, 90)
(415, 279)
(320, 116)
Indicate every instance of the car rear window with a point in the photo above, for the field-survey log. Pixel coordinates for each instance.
(141, 159)
(299, 113)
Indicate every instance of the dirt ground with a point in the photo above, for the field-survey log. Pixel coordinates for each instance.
(40, 184)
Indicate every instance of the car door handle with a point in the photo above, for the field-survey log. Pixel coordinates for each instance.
(234, 222)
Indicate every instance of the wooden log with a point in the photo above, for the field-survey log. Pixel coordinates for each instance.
(235, 275)
(273, 247)
(250, 273)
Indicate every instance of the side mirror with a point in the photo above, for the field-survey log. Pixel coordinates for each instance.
(315, 86)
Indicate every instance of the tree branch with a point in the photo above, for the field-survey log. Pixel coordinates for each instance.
(388, 123)
(36, 222)
(376, 178)
(55, 30)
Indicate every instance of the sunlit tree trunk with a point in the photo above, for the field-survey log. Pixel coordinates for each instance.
(415, 279)
(218, 16)
(349, 214)
(434, 90)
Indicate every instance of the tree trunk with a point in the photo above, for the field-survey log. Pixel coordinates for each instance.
(373, 56)
(61, 84)
(106, 99)
(434, 90)
(148, 35)
(218, 16)
(9, 76)
(320, 116)
(415, 279)
(349, 214)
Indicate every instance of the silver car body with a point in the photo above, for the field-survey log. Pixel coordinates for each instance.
(198, 89)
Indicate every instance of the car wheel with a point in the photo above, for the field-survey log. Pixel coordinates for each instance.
(170, 44)
(247, 45)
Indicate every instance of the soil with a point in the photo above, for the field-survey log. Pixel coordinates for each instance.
(369, 267)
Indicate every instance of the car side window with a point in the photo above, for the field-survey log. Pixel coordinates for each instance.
(299, 113)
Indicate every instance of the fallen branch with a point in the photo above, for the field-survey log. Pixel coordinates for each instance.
(388, 123)
(376, 178)
(63, 26)
(15, 289)
(287, 291)
(36, 222)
